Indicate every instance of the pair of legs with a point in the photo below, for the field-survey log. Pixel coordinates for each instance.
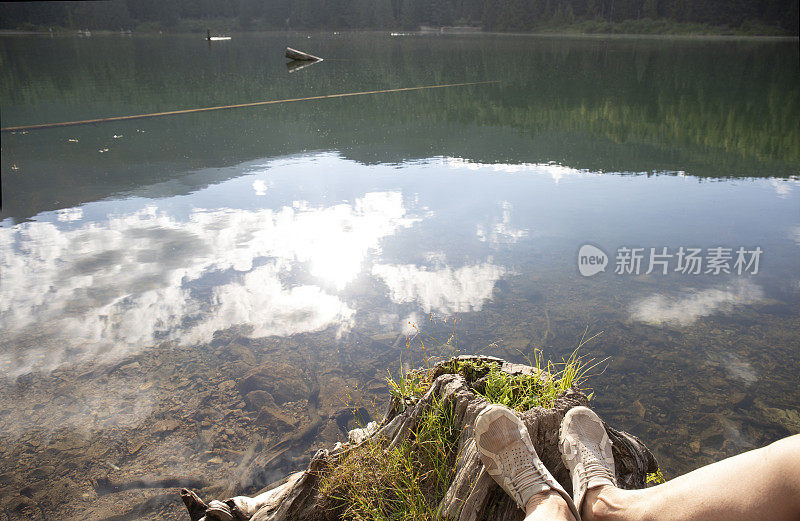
(762, 484)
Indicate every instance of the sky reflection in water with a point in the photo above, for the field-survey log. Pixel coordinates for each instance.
(273, 253)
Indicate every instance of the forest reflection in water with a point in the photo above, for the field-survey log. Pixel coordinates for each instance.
(711, 108)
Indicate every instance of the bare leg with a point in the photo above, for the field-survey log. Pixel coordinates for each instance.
(762, 484)
(548, 506)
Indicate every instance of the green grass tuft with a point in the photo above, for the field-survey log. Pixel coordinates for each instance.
(403, 483)
(540, 389)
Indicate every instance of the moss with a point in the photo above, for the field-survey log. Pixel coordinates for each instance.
(471, 370)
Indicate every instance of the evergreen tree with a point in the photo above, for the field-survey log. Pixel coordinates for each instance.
(495, 15)
(650, 9)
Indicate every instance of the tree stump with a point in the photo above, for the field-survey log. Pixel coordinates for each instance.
(473, 495)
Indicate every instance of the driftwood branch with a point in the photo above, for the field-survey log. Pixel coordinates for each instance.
(294, 54)
(473, 495)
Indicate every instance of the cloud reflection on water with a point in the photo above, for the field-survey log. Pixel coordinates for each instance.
(107, 289)
(738, 368)
(501, 232)
(555, 171)
(684, 310)
(783, 187)
(446, 290)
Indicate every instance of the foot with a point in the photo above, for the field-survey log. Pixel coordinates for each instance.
(508, 454)
(586, 451)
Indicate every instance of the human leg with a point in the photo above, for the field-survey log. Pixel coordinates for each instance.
(548, 506)
(759, 484)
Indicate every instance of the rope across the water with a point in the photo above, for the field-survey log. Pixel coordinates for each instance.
(241, 105)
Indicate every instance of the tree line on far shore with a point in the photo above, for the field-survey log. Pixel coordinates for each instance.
(754, 16)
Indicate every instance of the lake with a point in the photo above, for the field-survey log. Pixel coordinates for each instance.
(638, 197)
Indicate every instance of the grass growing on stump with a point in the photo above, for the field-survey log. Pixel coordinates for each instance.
(541, 389)
(375, 482)
(407, 482)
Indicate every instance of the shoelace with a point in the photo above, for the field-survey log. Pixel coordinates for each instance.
(527, 477)
(592, 466)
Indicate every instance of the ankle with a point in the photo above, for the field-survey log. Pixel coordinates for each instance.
(549, 503)
(602, 503)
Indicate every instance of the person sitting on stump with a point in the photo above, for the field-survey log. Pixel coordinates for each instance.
(762, 484)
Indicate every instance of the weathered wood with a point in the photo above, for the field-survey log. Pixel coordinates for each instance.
(473, 495)
(294, 54)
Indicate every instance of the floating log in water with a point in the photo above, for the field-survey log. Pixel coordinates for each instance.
(296, 65)
(473, 495)
(215, 38)
(241, 105)
(294, 54)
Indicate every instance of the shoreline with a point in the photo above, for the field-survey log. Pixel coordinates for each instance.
(555, 33)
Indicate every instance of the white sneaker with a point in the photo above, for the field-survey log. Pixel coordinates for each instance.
(586, 451)
(508, 454)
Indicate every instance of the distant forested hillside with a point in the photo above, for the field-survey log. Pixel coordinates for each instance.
(748, 16)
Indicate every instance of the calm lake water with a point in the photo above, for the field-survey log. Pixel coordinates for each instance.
(155, 272)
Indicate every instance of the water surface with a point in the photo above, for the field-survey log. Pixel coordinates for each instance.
(156, 272)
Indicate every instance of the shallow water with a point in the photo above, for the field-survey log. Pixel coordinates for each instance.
(155, 272)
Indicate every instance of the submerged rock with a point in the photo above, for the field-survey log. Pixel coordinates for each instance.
(283, 381)
(164, 426)
(273, 419)
(255, 400)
